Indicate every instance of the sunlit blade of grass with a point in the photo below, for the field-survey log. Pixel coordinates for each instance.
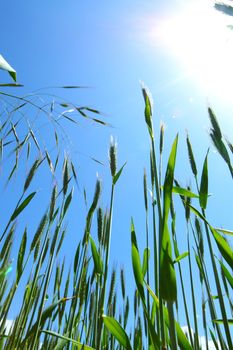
(216, 136)
(227, 274)
(19, 208)
(146, 267)
(139, 282)
(98, 263)
(228, 254)
(196, 336)
(156, 199)
(168, 289)
(115, 328)
(181, 338)
(178, 260)
(167, 272)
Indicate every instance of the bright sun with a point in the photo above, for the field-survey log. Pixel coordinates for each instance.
(199, 37)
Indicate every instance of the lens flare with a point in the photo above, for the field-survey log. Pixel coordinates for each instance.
(200, 39)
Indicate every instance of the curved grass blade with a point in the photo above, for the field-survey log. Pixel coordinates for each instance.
(22, 206)
(67, 202)
(137, 270)
(73, 341)
(226, 273)
(184, 192)
(138, 276)
(146, 257)
(180, 257)
(168, 287)
(223, 246)
(118, 174)
(148, 110)
(98, 263)
(216, 136)
(117, 331)
(227, 232)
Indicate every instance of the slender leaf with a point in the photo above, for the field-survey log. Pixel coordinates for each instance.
(22, 206)
(117, 331)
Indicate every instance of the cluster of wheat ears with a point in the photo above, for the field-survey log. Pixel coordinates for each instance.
(79, 308)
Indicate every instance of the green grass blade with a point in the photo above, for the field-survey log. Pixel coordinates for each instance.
(118, 174)
(180, 257)
(227, 274)
(117, 331)
(204, 184)
(148, 110)
(138, 276)
(168, 287)
(21, 254)
(182, 339)
(137, 269)
(22, 206)
(223, 247)
(67, 202)
(73, 341)
(184, 192)
(145, 263)
(230, 321)
(98, 263)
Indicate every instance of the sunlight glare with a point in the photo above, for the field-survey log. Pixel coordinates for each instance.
(199, 37)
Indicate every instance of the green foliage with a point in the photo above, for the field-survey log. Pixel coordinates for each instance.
(67, 308)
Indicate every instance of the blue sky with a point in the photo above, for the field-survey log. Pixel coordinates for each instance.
(110, 47)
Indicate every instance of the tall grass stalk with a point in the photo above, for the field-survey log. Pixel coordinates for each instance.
(79, 307)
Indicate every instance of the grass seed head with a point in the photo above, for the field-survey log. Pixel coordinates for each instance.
(123, 283)
(191, 156)
(39, 231)
(100, 224)
(31, 174)
(52, 202)
(8, 241)
(161, 138)
(65, 176)
(187, 206)
(112, 287)
(113, 156)
(152, 170)
(148, 108)
(37, 249)
(97, 194)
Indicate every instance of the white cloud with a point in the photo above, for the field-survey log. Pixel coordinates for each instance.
(202, 339)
